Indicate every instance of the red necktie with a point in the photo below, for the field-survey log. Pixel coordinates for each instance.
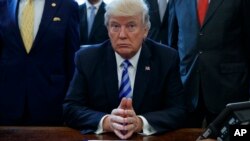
(202, 10)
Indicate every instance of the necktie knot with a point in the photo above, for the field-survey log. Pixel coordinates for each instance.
(92, 8)
(126, 64)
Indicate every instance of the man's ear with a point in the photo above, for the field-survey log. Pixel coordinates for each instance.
(145, 33)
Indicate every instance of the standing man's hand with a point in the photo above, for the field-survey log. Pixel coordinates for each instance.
(123, 120)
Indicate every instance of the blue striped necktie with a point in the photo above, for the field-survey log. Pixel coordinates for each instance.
(125, 88)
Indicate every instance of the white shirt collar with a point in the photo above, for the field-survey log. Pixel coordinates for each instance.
(97, 5)
(134, 60)
(165, 0)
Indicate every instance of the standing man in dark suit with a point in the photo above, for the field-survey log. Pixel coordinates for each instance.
(131, 66)
(212, 38)
(39, 39)
(92, 28)
(158, 11)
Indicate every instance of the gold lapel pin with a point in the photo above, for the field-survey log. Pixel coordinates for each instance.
(147, 68)
(53, 4)
(56, 19)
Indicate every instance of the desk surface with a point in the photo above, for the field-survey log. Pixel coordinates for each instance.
(11, 133)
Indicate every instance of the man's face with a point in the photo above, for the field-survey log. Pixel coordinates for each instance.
(93, 1)
(126, 34)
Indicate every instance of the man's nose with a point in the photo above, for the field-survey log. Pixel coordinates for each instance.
(123, 32)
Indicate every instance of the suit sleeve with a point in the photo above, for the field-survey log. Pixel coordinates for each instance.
(174, 109)
(76, 113)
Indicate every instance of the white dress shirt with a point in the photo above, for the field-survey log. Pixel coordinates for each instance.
(39, 7)
(162, 5)
(165, 0)
(146, 128)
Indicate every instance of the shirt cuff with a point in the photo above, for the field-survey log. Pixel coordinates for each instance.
(100, 127)
(147, 129)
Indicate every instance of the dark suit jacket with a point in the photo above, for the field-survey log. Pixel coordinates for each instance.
(98, 32)
(157, 94)
(213, 56)
(158, 30)
(33, 86)
(3, 10)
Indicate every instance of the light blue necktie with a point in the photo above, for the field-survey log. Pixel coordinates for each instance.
(162, 8)
(91, 18)
(125, 88)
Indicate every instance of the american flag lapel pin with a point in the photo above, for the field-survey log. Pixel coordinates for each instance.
(147, 68)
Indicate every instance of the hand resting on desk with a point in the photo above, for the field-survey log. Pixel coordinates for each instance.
(123, 121)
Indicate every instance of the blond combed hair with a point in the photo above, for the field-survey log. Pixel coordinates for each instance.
(127, 8)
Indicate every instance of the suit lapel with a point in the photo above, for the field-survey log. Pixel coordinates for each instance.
(165, 15)
(155, 11)
(110, 78)
(84, 24)
(13, 10)
(142, 77)
(189, 11)
(214, 4)
(47, 17)
(193, 10)
(97, 21)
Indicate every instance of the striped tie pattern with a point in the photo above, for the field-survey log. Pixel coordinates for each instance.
(27, 25)
(125, 88)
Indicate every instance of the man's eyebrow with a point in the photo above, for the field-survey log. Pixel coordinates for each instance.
(131, 22)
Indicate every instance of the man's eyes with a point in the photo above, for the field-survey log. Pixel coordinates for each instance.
(129, 27)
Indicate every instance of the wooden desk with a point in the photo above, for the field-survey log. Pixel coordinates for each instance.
(10, 133)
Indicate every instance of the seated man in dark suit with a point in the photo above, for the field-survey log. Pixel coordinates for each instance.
(128, 84)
